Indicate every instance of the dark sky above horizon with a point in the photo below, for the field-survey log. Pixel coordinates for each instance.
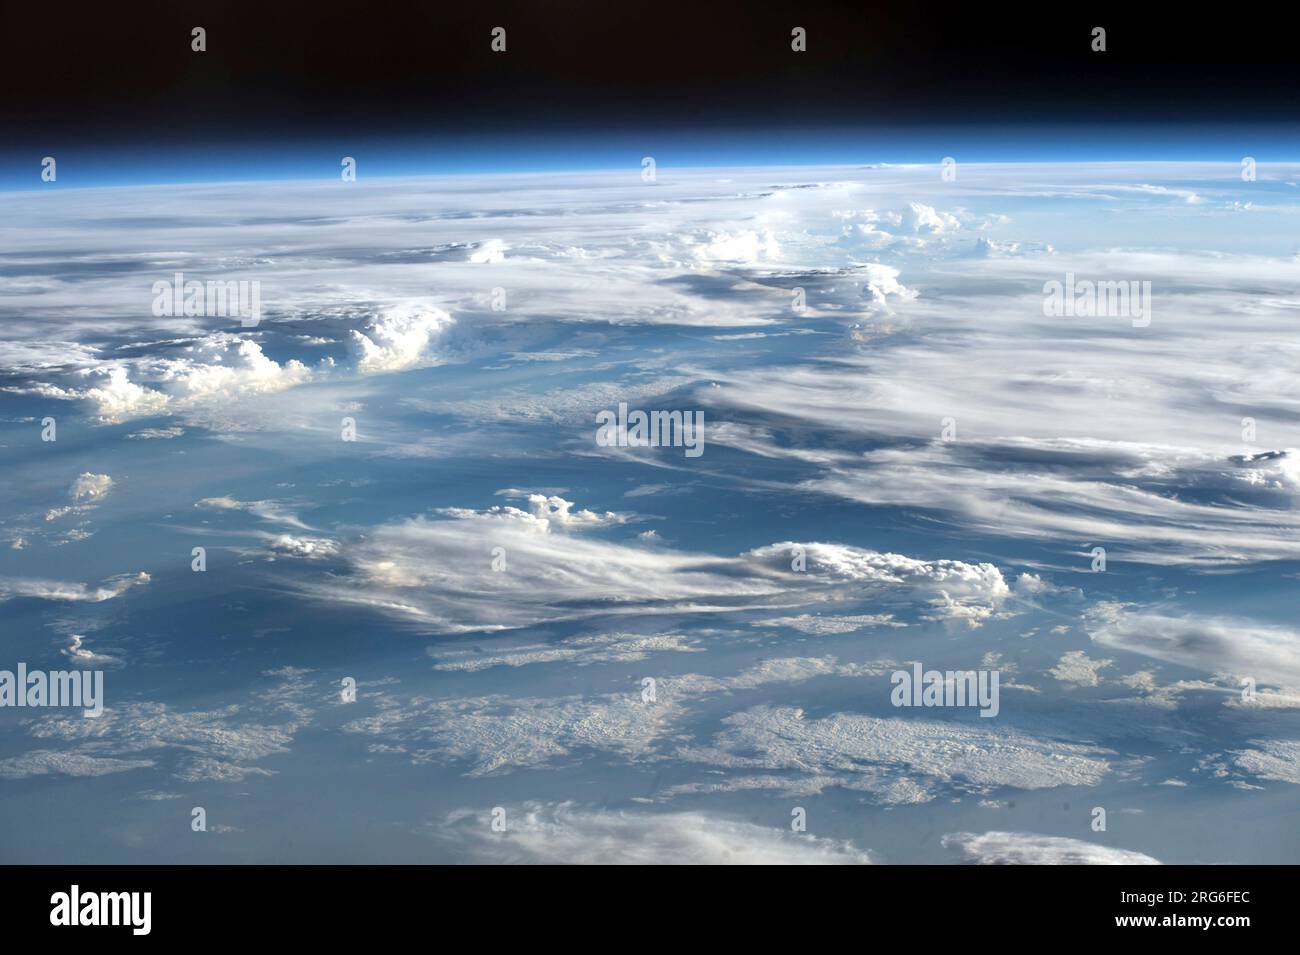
(292, 70)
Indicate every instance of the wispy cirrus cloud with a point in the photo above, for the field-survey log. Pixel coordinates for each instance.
(14, 587)
(1211, 643)
(551, 568)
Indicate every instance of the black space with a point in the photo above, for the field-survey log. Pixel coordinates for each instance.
(126, 72)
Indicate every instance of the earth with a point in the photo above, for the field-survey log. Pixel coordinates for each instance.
(366, 581)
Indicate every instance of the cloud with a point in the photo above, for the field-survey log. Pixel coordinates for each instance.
(439, 573)
(858, 751)
(84, 657)
(15, 587)
(86, 492)
(44, 762)
(1051, 449)
(1213, 644)
(217, 368)
(272, 512)
(199, 745)
(576, 405)
(493, 252)
(500, 733)
(198, 377)
(580, 651)
(400, 339)
(1083, 492)
(1023, 848)
(820, 625)
(227, 367)
(307, 548)
(90, 487)
(1273, 759)
(1169, 696)
(776, 670)
(1078, 668)
(916, 227)
(745, 247)
(918, 217)
(118, 398)
(152, 434)
(551, 509)
(881, 282)
(569, 834)
(204, 769)
(495, 734)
